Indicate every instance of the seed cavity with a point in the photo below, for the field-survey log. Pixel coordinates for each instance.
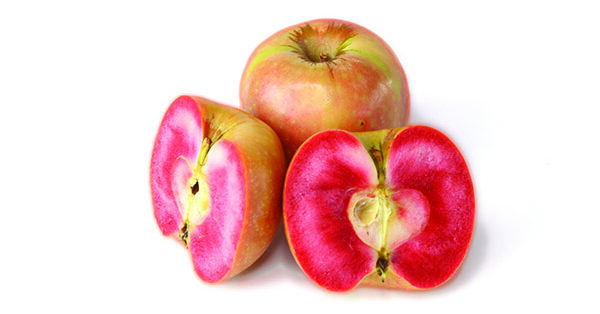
(366, 211)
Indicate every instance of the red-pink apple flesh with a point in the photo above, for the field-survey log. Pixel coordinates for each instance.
(324, 74)
(392, 208)
(216, 176)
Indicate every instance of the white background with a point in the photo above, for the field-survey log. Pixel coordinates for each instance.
(83, 87)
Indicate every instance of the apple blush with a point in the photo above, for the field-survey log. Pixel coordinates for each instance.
(324, 74)
(391, 208)
(216, 176)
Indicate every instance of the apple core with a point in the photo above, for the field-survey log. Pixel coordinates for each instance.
(195, 202)
(384, 219)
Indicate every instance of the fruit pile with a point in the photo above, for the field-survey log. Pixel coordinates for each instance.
(365, 199)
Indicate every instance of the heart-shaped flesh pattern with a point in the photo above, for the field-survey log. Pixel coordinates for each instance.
(395, 204)
(198, 190)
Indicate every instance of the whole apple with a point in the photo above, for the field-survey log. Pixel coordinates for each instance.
(216, 177)
(324, 74)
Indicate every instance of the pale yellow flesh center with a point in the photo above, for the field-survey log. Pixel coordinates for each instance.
(371, 213)
(195, 205)
(195, 200)
(384, 223)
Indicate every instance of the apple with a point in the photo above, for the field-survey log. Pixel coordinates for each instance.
(324, 74)
(216, 177)
(392, 208)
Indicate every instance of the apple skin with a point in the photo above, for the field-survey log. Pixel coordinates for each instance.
(392, 208)
(324, 74)
(243, 170)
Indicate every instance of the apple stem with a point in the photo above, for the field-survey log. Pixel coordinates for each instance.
(205, 146)
(377, 157)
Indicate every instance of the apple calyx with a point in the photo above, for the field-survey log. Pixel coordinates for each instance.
(321, 45)
(381, 266)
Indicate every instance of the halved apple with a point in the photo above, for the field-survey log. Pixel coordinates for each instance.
(216, 177)
(392, 208)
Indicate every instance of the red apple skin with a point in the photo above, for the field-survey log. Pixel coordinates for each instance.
(360, 87)
(258, 162)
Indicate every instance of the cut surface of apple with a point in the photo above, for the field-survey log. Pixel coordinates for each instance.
(392, 208)
(216, 175)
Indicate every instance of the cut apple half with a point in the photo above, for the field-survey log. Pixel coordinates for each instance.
(216, 175)
(391, 208)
